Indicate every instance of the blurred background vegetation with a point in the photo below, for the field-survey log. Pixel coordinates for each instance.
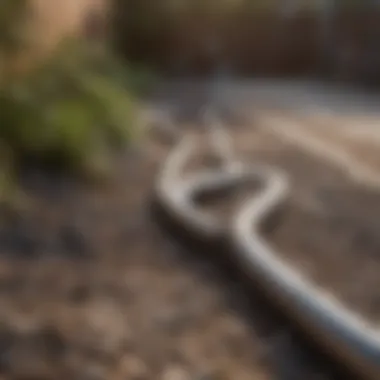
(71, 110)
(67, 99)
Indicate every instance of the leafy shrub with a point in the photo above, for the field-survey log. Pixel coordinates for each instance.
(13, 14)
(68, 112)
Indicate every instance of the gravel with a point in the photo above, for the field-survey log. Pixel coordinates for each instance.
(136, 305)
(132, 307)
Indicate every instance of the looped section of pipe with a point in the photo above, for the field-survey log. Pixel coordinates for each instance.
(343, 334)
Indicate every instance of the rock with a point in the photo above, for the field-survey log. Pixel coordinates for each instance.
(72, 241)
(134, 368)
(175, 372)
(6, 342)
(173, 321)
(79, 294)
(34, 355)
(20, 239)
(93, 372)
(52, 342)
(209, 376)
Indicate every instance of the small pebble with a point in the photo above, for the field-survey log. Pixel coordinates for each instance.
(94, 372)
(72, 241)
(175, 373)
(134, 368)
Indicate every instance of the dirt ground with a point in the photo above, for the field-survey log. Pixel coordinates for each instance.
(91, 289)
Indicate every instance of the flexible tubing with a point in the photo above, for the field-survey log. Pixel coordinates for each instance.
(346, 336)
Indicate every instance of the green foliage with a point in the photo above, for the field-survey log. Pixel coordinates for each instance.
(137, 79)
(68, 112)
(13, 14)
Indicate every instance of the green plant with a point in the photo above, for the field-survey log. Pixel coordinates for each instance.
(13, 15)
(67, 112)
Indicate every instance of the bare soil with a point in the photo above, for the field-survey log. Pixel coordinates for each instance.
(90, 289)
